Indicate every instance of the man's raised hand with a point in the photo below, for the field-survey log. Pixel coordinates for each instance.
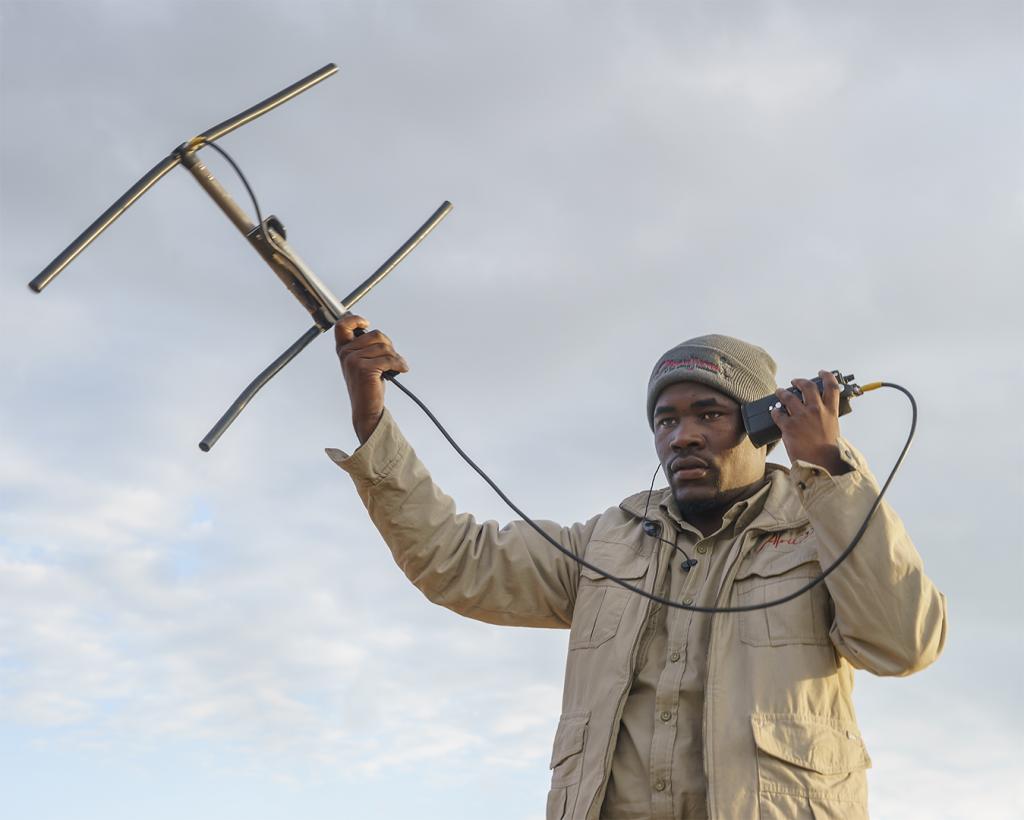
(364, 361)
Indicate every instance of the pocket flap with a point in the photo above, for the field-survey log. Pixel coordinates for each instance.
(569, 737)
(615, 558)
(820, 744)
(765, 566)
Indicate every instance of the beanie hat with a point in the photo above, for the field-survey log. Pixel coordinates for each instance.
(740, 370)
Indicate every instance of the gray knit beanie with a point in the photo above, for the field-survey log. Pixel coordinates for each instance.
(742, 371)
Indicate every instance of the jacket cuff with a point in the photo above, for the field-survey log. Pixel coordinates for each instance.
(376, 458)
(811, 481)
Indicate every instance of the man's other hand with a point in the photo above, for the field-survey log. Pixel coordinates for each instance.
(810, 427)
(364, 361)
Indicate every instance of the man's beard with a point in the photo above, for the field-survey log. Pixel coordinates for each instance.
(697, 508)
(703, 504)
(700, 507)
(706, 503)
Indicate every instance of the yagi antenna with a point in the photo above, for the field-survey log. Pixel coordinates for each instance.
(267, 237)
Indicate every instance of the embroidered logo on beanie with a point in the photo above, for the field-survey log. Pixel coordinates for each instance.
(719, 368)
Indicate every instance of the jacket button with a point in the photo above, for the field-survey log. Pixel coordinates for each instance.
(674, 657)
(659, 785)
(801, 485)
(666, 716)
(702, 549)
(688, 601)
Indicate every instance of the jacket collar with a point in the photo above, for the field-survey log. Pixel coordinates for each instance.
(782, 508)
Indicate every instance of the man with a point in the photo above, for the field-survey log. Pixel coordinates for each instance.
(670, 713)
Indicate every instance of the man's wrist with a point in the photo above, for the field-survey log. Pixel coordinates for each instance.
(365, 425)
(828, 458)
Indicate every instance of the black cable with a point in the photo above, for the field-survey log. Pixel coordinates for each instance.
(653, 528)
(582, 562)
(199, 142)
(654, 478)
(657, 598)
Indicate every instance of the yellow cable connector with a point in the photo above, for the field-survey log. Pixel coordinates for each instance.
(872, 386)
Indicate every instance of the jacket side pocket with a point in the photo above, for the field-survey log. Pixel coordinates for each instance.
(566, 764)
(809, 767)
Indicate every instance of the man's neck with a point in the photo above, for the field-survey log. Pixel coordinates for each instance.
(709, 519)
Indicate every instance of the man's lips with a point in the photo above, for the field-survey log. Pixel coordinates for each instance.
(689, 468)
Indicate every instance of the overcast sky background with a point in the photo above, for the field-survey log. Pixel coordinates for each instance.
(224, 635)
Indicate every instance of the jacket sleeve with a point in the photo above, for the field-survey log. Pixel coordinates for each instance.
(889, 617)
(503, 575)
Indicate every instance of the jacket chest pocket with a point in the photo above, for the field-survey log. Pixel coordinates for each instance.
(600, 602)
(804, 620)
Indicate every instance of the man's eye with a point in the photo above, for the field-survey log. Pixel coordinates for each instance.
(711, 415)
(665, 422)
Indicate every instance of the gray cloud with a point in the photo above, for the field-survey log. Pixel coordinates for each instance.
(839, 184)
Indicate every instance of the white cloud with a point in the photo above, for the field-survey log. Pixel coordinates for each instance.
(916, 763)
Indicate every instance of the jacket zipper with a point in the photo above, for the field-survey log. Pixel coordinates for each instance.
(613, 735)
(730, 576)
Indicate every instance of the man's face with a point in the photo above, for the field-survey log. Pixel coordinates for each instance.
(706, 455)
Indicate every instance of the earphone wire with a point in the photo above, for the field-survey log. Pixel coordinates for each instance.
(654, 478)
(688, 562)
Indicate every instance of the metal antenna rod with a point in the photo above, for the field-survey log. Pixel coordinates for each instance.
(109, 216)
(300, 344)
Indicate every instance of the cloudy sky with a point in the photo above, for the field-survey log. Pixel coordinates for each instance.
(223, 635)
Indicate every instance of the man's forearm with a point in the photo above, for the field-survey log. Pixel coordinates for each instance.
(889, 617)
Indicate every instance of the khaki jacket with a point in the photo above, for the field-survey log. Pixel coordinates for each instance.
(780, 734)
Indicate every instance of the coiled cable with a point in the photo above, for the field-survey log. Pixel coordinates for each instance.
(569, 553)
(658, 598)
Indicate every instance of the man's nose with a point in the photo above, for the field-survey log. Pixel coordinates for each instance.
(685, 435)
